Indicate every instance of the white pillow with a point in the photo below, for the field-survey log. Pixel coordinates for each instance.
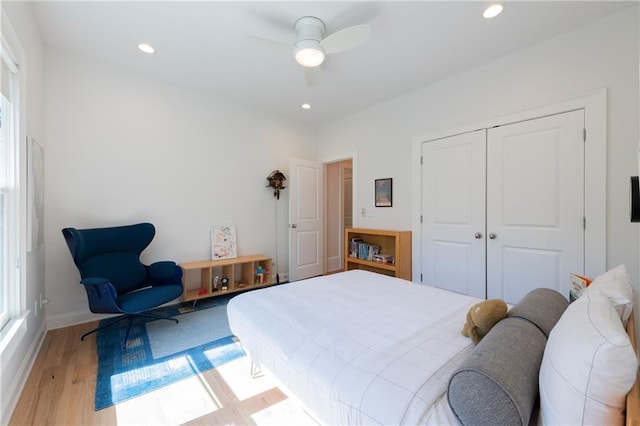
(588, 365)
(616, 285)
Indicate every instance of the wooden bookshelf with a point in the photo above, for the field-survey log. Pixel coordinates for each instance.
(394, 243)
(241, 272)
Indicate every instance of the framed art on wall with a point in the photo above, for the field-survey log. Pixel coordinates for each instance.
(35, 194)
(384, 192)
(223, 242)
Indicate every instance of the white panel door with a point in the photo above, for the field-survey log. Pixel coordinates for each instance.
(535, 205)
(306, 226)
(453, 213)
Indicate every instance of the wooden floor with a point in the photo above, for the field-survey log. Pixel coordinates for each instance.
(61, 387)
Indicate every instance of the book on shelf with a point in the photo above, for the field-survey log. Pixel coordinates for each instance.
(578, 284)
(353, 246)
(360, 249)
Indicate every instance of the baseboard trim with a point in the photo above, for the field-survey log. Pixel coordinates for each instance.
(21, 376)
(72, 318)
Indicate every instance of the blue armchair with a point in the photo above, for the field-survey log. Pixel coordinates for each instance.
(113, 276)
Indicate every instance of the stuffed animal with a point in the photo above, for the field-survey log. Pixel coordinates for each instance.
(482, 317)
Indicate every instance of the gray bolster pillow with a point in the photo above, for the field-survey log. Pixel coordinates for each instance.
(498, 383)
(542, 307)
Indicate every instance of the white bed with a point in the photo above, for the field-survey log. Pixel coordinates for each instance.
(382, 360)
(362, 348)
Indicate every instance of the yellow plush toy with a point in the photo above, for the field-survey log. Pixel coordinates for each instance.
(482, 316)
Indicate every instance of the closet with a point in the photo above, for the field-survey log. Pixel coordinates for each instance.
(503, 208)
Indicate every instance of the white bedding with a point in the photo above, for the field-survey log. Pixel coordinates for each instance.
(357, 347)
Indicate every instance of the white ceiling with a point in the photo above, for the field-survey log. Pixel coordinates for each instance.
(201, 45)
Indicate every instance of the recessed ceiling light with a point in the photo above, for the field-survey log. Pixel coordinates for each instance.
(146, 48)
(492, 11)
(306, 106)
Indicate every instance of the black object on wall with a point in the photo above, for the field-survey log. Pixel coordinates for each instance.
(634, 200)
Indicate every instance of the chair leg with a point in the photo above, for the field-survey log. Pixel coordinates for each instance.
(109, 324)
(256, 371)
(154, 316)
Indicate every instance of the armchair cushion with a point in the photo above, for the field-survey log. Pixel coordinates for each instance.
(162, 271)
(123, 269)
(101, 294)
(147, 298)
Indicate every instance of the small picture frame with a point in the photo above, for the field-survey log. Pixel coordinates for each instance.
(223, 242)
(384, 192)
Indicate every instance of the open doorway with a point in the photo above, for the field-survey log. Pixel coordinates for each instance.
(338, 211)
(322, 199)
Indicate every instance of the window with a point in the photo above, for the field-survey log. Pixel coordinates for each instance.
(9, 189)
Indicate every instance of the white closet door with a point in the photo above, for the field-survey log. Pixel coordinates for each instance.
(453, 207)
(535, 205)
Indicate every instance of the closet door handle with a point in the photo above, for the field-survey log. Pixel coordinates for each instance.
(492, 236)
(477, 235)
(293, 225)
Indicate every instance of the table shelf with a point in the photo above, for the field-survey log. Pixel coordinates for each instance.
(241, 273)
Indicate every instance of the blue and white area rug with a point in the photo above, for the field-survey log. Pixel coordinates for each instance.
(161, 352)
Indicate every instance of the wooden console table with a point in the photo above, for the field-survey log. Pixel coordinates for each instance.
(241, 273)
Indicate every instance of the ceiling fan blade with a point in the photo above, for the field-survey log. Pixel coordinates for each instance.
(346, 39)
(313, 76)
(271, 44)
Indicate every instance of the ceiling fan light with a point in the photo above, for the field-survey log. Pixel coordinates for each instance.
(309, 53)
(146, 48)
(309, 57)
(492, 11)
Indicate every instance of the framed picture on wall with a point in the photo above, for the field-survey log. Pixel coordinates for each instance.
(35, 194)
(384, 192)
(223, 242)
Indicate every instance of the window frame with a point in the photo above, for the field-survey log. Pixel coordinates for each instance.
(10, 163)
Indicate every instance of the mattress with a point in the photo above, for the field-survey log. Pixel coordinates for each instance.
(357, 347)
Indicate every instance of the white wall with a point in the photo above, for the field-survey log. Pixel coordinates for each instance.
(123, 149)
(601, 55)
(17, 357)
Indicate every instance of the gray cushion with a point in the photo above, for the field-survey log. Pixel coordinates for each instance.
(498, 383)
(542, 307)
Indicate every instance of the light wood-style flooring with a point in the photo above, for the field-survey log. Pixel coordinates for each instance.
(61, 387)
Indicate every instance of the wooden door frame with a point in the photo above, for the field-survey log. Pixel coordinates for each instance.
(595, 114)
(353, 156)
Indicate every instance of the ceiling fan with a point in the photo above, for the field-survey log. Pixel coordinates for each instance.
(311, 46)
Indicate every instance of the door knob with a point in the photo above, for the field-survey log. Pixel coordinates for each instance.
(477, 235)
(492, 236)
(293, 225)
